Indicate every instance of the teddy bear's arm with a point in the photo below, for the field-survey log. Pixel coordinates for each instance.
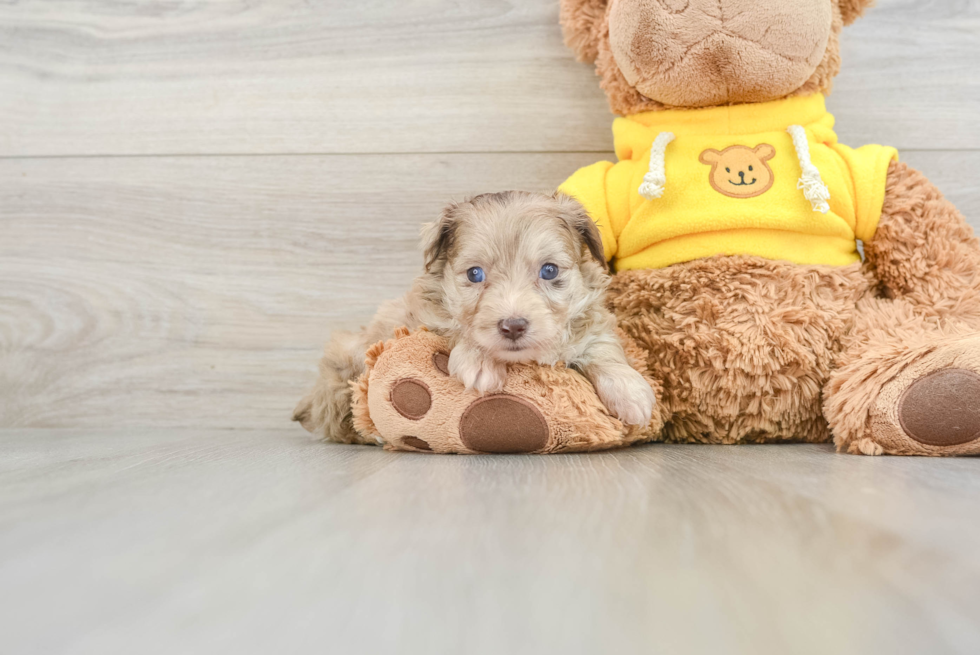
(924, 250)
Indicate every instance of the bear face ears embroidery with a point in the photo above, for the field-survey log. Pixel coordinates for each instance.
(740, 171)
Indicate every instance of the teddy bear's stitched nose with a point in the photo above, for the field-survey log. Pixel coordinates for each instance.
(513, 328)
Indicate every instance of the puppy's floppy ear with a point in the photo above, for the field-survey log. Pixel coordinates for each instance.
(438, 236)
(581, 224)
(580, 24)
(851, 10)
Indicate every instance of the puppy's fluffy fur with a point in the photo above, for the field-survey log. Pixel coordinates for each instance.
(510, 236)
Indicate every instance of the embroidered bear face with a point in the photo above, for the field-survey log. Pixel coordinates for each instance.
(740, 171)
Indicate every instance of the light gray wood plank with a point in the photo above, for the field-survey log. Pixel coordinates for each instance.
(252, 541)
(265, 76)
(908, 76)
(198, 291)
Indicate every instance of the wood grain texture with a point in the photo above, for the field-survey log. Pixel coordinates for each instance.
(198, 291)
(86, 77)
(253, 542)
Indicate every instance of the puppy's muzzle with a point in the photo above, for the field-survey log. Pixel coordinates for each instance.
(512, 328)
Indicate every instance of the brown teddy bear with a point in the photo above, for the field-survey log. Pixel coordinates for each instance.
(733, 219)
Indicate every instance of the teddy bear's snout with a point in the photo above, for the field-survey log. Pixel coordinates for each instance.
(710, 52)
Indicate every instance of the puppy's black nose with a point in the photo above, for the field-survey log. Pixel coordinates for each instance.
(512, 328)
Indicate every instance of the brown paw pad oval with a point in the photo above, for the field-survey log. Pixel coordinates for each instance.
(503, 424)
(441, 361)
(411, 398)
(415, 442)
(942, 408)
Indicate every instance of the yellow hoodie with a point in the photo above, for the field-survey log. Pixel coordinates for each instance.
(766, 179)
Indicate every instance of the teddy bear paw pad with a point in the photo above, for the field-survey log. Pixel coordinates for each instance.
(503, 424)
(942, 408)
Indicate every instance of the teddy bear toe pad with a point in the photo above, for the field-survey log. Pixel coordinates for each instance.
(415, 442)
(411, 398)
(942, 408)
(441, 361)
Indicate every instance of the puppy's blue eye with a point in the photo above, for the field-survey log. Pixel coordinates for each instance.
(475, 274)
(549, 272)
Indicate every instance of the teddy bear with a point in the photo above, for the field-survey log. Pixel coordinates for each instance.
(733, 218)
(773, 284)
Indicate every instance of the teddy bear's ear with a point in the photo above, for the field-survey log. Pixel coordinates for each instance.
(851, 10)
(765, 152)
(580, 23)
(437, 237)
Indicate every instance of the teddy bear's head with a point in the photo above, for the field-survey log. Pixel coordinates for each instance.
(653, 54)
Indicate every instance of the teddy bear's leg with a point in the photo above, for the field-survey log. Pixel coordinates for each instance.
(924, 251)
(408, 400)
(907, 384)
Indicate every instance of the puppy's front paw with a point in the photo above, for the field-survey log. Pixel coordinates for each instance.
(475, 371)
(626, 394)
(490, 378)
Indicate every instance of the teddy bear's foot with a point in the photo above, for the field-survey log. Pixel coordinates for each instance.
(408, 400)
(501, 423)
(942, 408)
(932, 407)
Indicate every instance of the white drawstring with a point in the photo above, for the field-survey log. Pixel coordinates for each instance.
(655, 181)
(812, 184)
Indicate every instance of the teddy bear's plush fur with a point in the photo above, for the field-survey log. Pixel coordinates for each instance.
(881, 357)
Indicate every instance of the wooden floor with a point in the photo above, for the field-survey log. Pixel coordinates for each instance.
(167, 541)
(193, 194)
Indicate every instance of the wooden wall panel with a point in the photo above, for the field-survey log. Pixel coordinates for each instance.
(197, 291)
(89, 77)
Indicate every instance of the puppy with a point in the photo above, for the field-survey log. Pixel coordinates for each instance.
(509, 277)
